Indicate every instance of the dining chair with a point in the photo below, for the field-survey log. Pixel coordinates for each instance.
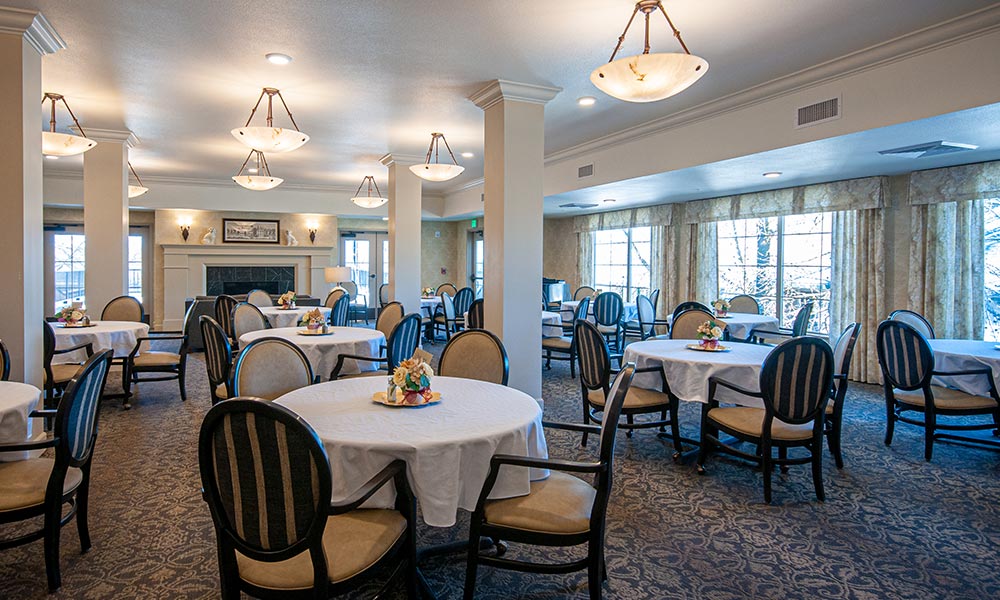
(446, 287)
(390, 314)
(477, 316)
(358, 308)
(686, 323)
(333, 296)
(561, 510)
(654, 298)
(744, 303)
(259, 298)
(795, 385)
(4, 362)
(124, 308)
(566, 344)
(914, 320)
(834, 420)
(690, 305)
(445, 317)
(642, 327)
(277, 533)
(475, 354)
(247, 318)
(800, 327)
(58, 376)
(270, 367)
(40, 487)
(608, 310)
(166, 366)
(907, 363)
(218, 358)
(400, 345)
(340, 311)
(463, 300)
(383, 295)
(595, 380)
(584, 291)
(224, 305)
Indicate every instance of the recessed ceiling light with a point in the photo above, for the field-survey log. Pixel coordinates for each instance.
(385, 218)
(586, 101)
(467, 155)
(276, 58)
(610, 200)
(772, 174)
(51, 157)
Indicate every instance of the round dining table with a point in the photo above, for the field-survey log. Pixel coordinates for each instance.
(17, 400)
(289, 317)
(447, 446)
(687, 371)
(429, 303)
(741, 324)
(119, 336)
(963, 355)
(324, 350)
(567, 309)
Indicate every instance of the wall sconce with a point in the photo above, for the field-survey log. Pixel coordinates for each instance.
(185, 224)
(313, 227)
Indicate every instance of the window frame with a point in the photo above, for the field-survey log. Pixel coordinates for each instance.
(631, 291)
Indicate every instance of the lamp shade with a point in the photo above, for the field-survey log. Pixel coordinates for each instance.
(437, 171)
(64, 144)
(134, 191)
(369, 201)
(270, 139)
(258, 183)
(649, 77)
(337, 274)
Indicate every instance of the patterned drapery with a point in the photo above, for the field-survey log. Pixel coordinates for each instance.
(585, 257)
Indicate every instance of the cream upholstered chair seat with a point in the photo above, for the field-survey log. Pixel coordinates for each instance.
(561, 343)
(607, 328)
(636, 398)
(475, 354)
(62, 373)
(559, 504)
(352, 542)
(23, 482)
(221, 392)
(751, 422)
(944, 397)
(156, 359)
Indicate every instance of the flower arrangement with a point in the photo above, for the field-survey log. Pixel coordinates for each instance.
(427, 292)
(313, 319)
(710, 333)
(71, 315)
(721, 307)
(413, 378)
(287, 300)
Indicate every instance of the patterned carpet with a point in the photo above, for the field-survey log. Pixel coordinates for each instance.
(893, 526)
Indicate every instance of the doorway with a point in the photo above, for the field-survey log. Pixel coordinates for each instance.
(367, 254)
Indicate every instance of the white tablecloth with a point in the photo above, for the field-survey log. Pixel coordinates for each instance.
(446, 446)
(962, 355)
(427, 305)
(687, 371)
(551, 324)
(119, 336)
(741, 324)
(568, 309)
(290, 318)
(17, 400)
(323, 350)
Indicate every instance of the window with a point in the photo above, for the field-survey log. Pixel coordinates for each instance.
(69, 269)
(622, 261)
(357, 256)
(479, 274)
(783, 262)
(135, 267)
(991, 247)
(385, 260)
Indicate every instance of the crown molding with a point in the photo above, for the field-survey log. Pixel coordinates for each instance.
(35, 28)
(166, 180)
(948, 33)
(501, 89)
(121, 136)
(466, 186)
(403, 160)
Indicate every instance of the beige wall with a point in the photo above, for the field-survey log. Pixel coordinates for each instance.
(439, 248)
(559, 259)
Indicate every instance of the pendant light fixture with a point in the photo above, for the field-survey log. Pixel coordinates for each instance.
(63, 144)
(438, 171)
(649, 77)
(262, 179)
(134, 191)
(369, 201)
(270, 138)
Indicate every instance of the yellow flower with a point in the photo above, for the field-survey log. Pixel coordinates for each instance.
(399, 376)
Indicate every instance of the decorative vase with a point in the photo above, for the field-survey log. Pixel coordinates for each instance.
(722, 313)
(313, 326)
(710, 344)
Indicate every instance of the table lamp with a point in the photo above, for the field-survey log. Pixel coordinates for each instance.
(337, 275)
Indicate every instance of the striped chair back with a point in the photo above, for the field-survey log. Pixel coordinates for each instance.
(904, 355)
(654, 297)
(463, 300)
(448, 306)
(608, 309)
(477, 316)
(690, 305)
(582, 310)
(685, 324)
(584, 291)
(403, 340)
(338, 314)
(844, 349)
(76, 420)
(270, 367)
(383, 295)
(612, 413)
(475, 354)
(914, 320)
(224, 306)
(593, 355)
(744, 304)
(447, 287)
(124, 308)
(247, 318)
(333, 296)
(796, 378)
(266, 479)
(218, 352)
(800, 326)
(4, 362)
(259, 298)
(390, 314)
(647, 314)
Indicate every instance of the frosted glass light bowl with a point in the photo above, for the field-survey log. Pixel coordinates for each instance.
(369, 201)
(649, 77)
(437, 171)
(134, 191)
(270, 139)
(64, 144)
(258, 183)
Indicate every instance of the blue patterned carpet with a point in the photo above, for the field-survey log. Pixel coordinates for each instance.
(893, 526)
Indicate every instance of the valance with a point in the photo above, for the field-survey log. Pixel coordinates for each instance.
(952, 184)
(658, 215)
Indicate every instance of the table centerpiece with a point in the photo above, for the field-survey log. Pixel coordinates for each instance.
(72, 316)
(427, 292)
(313, 320)
(721, 307)
(410, 385)
(710, 333)
(287, 300)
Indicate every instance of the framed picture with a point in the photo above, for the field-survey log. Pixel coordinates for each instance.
(250, 232)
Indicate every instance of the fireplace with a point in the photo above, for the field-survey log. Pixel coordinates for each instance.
(241, 279)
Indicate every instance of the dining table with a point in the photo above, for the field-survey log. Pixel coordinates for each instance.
(962, 355)
(289, 317)
(118, 336)
(567, 309)
(428, 304)
(742, 325)
(17, 400)
(323, 350)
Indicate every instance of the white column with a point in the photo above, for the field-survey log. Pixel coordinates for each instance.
(24, 37)
(404, 231)
(514, 153)
(105, 217)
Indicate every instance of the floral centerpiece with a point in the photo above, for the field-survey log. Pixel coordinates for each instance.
(721, 307)
(710, 333)
(71, 315)
(313, 319)
(413, 378)
(427, 292)
(287, 300)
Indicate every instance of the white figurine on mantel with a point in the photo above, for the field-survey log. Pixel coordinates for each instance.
(290, 238)
(209, 238)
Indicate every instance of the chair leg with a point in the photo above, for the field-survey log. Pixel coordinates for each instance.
(930, 423)
(783, 455)
(51, 542)
(631, 421)
(594, 572)
(833, 439)
(82, 502)
(586, 421)
(817, 469)
(675, 426)
(472, 562)
(180, 382)
(706, 441)
(890, 421)
(767, 465)
(572, 370)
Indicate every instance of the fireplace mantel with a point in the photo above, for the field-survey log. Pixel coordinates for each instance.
(184, 267)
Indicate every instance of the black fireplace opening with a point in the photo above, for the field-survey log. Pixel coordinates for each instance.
(240, 280)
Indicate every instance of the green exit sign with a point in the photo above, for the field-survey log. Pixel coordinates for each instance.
(474, 222)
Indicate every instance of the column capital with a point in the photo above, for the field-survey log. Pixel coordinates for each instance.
(122, 136)
(35, 28)
(501, 89)
(402, 160)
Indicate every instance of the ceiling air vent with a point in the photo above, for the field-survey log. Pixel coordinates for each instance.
(821, 112)
(930, 149)
(578, 205)
(585, 171)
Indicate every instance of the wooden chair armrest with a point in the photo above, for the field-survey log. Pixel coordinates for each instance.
(714, 381)
(340, 362)
(22, 446)
(89, 347)
(366, 491)
(573, 427)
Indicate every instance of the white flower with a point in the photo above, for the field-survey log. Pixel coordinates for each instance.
(717, 331)
(76, 316)
(399, 376)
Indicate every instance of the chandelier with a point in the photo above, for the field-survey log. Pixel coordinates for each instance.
(270, 138)
(649, 77)
(438, 171)
(63, 144)
(257, 178)
(135, 191)
(369, 201)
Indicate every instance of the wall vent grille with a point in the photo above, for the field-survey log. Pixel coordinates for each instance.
(585, 171)
(820, 112)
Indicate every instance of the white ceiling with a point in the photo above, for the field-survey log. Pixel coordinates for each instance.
(378, 76)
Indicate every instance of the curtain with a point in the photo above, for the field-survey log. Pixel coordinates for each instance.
(585, 257)
(946, 282)
(703, 263)
(857, 285)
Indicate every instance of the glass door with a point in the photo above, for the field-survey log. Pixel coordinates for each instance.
(477, 262)
(367, 256)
